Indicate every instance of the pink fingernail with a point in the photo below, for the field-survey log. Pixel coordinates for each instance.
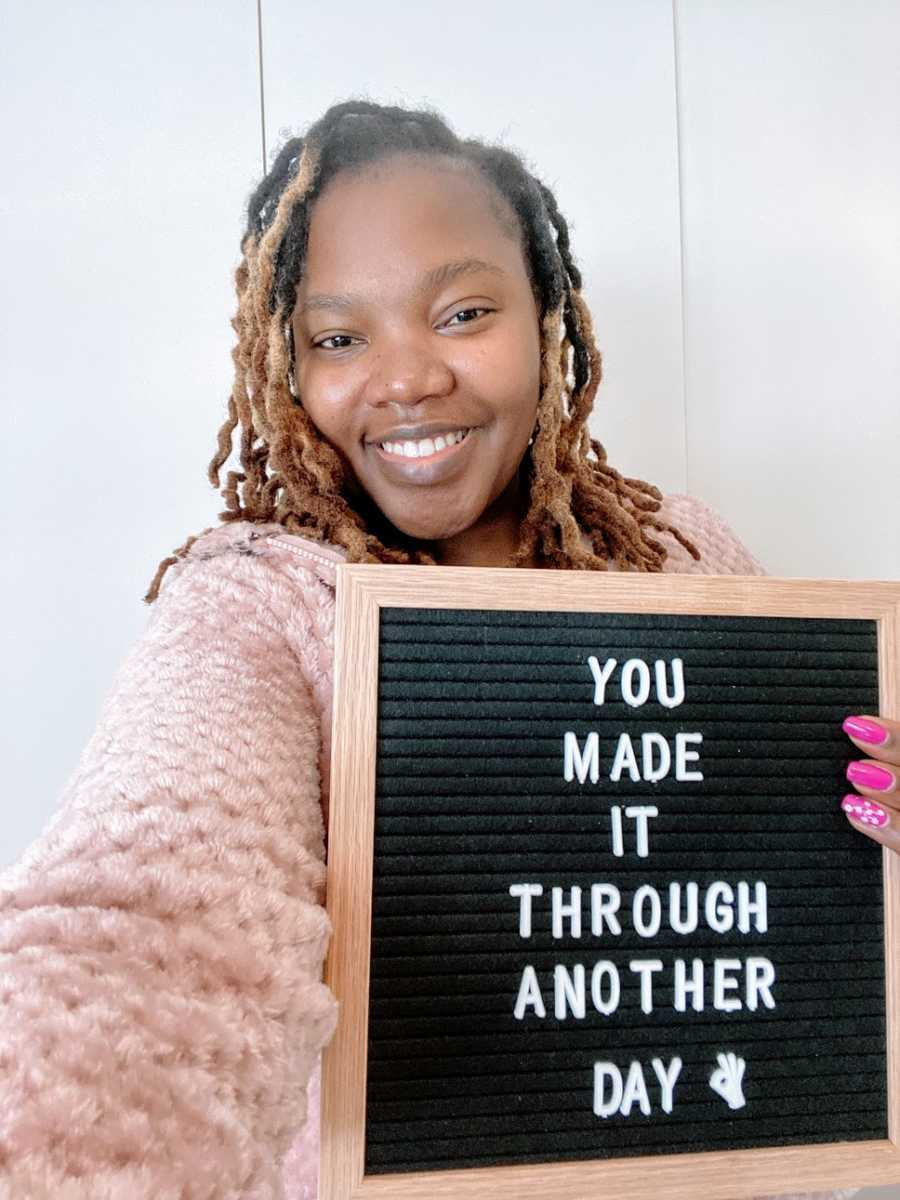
(867, 812)
(870, 776)
(865, 730)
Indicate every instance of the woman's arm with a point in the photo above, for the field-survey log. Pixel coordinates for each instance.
(161, 943)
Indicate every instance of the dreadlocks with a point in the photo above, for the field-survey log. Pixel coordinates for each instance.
(292, 476)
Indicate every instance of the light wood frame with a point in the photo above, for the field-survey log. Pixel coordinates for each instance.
(362, 591)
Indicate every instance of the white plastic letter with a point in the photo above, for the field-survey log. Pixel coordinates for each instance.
(723, 982)
(757, 907)
(603, 1071)
(625, 757)
(684, 756)
(576, 763)
(640, 813)
(666, 698)
(572, 910)
(603, 967)
(568, 991)
(601, 675)
(760, 977)
(643, 927)
(719, 906)
(525, 891)
(652, 773)
(635, 666)
(635, 1089)
(605, 901)
(682, 987)
(529, 994)
(645, 968)
(667, 1080)
(688, 923)
(618, 842)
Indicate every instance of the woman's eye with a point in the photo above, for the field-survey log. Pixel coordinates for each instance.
(341, 341)
(335, 337)
(465, 312)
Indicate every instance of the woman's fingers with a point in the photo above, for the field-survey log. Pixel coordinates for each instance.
(875, 820)
(875, 810)
(878, 774)
(876, 737)
(875, 807)
(872, 778)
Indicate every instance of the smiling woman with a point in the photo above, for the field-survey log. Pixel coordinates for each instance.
(414, 371)
(400, 283)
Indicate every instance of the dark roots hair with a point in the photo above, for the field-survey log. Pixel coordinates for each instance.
(292, 476)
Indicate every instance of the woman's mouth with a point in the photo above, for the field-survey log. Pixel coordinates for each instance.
(423, 447)
(424, 460)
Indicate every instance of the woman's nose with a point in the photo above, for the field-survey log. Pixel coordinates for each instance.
(408, 374)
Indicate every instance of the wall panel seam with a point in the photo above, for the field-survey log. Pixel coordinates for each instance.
(679, 166)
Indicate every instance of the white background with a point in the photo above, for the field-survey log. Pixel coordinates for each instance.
(731, 175)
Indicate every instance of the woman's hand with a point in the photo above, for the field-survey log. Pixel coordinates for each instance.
(875, 806)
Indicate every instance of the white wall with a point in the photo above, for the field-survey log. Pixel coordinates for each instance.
(131, 135)
(788, 116)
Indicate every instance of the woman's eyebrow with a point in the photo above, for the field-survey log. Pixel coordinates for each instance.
(436, 277)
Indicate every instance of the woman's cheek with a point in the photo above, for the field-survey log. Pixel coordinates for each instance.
(327, 403)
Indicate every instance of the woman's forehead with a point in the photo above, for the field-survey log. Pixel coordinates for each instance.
(403, 191)
(410, 210)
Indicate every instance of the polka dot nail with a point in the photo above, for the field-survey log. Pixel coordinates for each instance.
(867, 812)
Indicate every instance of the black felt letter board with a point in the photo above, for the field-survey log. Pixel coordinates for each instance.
(480, 840)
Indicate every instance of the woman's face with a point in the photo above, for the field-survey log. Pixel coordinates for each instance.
(417, 345)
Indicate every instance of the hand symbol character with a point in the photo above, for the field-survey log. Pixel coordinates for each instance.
(727, 1079)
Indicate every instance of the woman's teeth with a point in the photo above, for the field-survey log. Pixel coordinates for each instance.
(426, 447)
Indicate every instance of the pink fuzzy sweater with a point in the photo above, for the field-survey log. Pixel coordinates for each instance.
(161, 943)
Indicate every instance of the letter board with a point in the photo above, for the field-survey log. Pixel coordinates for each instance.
(613, 911)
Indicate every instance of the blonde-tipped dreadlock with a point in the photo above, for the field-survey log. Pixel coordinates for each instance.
(292, 476)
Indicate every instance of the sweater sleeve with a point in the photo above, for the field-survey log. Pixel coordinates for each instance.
(161, 943)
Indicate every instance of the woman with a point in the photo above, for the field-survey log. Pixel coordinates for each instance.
(413, 375)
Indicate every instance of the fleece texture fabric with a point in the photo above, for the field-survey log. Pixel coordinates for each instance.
(162, 1013)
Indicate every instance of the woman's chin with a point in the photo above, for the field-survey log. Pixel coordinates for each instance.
(432, 535)
(430, 527)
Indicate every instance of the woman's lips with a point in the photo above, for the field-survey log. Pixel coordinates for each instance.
(432, 469)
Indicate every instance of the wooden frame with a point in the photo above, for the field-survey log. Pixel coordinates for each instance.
(361, 592)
